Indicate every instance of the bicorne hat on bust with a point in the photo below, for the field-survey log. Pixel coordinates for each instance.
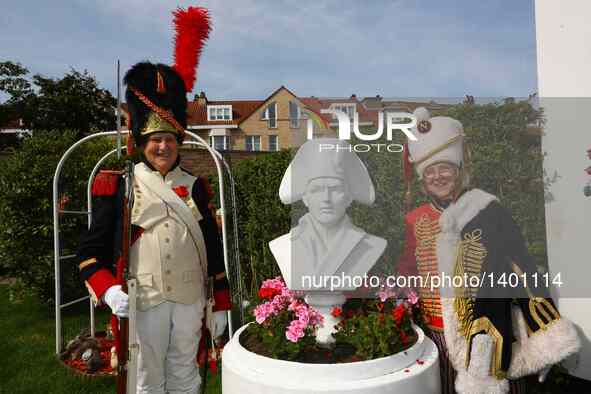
(326, 158)
(156, 94)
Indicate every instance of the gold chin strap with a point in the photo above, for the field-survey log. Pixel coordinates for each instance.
(156, 124)
(437, 150)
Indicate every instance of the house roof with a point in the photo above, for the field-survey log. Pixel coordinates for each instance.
(377, 103)
(317, 104)
(241, 109)
(12, 124)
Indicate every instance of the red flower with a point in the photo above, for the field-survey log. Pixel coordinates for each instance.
(336, 311)
(420, 362)
(181, 191)
(398, 313)
(268, 293)
(403, 338)
(380, 306)
(213, 366)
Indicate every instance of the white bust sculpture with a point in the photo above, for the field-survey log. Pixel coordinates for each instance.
(325, 243)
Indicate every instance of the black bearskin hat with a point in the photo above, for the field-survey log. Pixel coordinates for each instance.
(156, 100)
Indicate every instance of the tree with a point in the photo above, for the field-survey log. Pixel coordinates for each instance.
(26, 211)
(17, 88)
(12, 81)
(74, 102)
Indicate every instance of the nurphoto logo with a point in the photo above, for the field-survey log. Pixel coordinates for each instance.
(395, 121)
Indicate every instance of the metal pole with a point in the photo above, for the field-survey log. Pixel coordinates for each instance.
(89, 205)
(56, 239)
(118, 110)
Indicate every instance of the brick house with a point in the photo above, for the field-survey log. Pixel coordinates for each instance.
(275, 123)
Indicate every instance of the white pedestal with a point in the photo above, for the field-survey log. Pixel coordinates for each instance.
(415, 371)
(324, 302)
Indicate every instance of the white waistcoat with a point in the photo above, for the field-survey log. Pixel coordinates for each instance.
(169, 259)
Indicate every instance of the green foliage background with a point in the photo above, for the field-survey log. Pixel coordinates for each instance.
(505, 160)
(26, 214)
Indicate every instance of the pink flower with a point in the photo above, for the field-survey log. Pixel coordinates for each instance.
(386, 292)
(413, 298)
(295, 331)
(263, 311)
(275, 284)
(316, 319)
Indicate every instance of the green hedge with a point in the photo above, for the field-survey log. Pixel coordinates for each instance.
(26, 215)
(262, 216)
(505, 161)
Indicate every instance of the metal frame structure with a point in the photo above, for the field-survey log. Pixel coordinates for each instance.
(58, 258)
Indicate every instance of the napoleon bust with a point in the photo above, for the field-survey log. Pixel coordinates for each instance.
(325, 243)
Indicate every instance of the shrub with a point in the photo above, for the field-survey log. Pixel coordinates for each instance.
(262, 216)
(26, 214)
(505, 161)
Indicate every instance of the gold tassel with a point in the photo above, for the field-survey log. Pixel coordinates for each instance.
(463, 306)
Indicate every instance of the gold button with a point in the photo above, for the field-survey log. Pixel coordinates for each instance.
(165, 224)
(167, 272)
(168, 256)
(167, 240)
(136, 211)
(169, 288)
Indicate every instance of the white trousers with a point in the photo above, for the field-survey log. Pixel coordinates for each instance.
(168, 335)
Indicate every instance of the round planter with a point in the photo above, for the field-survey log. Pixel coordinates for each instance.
(414, 371)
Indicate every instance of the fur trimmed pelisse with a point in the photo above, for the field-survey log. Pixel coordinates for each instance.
(529, 353)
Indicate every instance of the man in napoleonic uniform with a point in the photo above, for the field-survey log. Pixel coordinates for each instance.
(175, 241)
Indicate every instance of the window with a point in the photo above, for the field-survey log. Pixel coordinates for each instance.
(273, 143)
(219, 142)
(253, 143)
(270, 115)
(348, 108)
(294, 115)
(219, 112)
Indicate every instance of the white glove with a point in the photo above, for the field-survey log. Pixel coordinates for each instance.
(117, 300)
(216, 323)
(543, 374)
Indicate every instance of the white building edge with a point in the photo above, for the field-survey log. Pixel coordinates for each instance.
(563, 35)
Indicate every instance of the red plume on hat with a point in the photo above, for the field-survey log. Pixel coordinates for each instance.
(192, 30)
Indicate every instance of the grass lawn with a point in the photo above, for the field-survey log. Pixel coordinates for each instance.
(27, 360)
(28, 363)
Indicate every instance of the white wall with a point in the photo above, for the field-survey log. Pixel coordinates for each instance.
(563, 32)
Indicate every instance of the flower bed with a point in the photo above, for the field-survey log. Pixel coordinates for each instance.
(370, 328)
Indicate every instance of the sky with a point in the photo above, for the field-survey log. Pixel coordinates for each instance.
(325, 48)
